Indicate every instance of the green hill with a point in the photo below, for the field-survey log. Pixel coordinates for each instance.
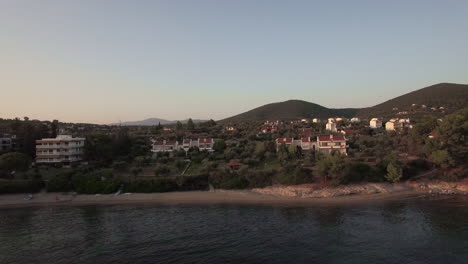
(450, 96)
(292, 109)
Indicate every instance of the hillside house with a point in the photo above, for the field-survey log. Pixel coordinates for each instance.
(164, 146)
(306, 132)
(205, 144)
(331, 143)
(331, 126)
(375, 123)
(355, 120)
(315, 120)
(169, 146)
(8, 143)
(349, 132)
(433, 134)
(286, 141)
(306, 143)
(397, 124)
(268, 129)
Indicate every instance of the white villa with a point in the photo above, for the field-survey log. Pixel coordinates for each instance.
(328, 144)
(306, 143)
(169, 146)
(63, 149)
(331, 126)
(375, 123)
(355, 120)
(315, 120)
(396, 124)
(325, 144)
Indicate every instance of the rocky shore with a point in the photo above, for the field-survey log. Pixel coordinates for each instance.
(318, 191)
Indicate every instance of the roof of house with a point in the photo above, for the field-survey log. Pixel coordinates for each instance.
(205, 140)
(234, 164)
(305, 139)
(331, 138)
(285, 140)
(350, 131)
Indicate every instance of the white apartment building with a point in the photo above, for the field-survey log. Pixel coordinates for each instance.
(63, 149)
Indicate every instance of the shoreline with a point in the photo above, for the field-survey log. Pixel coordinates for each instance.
(297, 195)
(219, 197)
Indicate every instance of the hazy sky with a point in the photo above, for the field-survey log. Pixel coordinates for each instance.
(105, 61)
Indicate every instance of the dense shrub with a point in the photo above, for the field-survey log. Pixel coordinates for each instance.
(259, 178)
(357, 172)
(296, 176)
(149, 186)
(20, 186)
(162, 170)
(225, 179)
(59, 183)
(13, 161)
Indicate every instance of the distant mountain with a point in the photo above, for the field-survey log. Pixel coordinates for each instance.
(292, 109)
(155, 122)
(447, 95)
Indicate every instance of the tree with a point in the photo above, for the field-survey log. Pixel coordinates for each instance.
(211, 123)
(219, 145)
(190, 125)
(331, 167)
(442, 158)
(452, 136)
(14, 161)
(54, 128)
(394, 172)
(178, 125)
(283, 154)
(292, 149)
(260, 150)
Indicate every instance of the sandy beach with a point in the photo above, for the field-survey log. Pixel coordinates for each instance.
(307, 194)
(192, 198)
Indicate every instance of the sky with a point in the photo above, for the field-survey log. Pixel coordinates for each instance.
(108, 61)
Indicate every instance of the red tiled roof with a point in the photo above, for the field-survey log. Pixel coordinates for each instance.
(171, 142)
(158, 143)
(234, 164)
(205, 140)
(186, 141)
(351, 131)
(331, 138)
(285, 140)
(305, 139)
(306, 133)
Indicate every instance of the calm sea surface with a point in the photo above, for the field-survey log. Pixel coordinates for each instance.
(417, 230)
